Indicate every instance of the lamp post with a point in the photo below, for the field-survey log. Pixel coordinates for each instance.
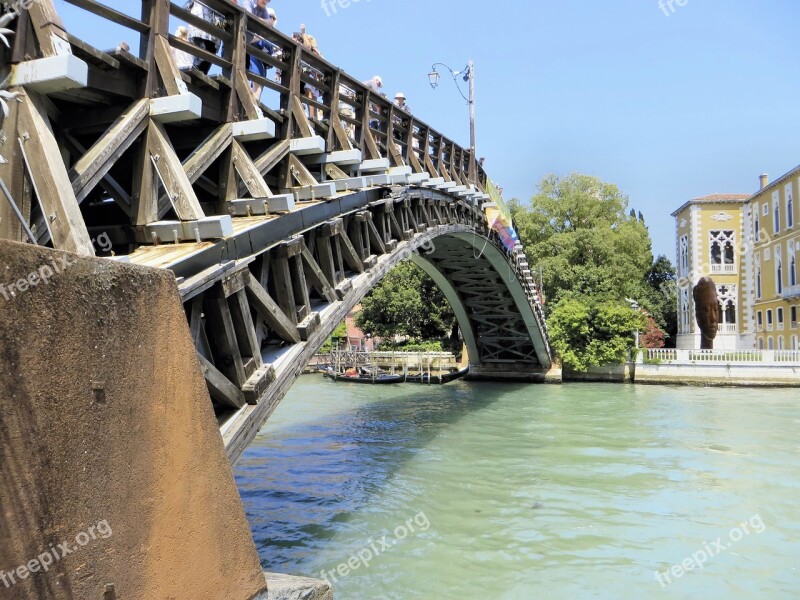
(634, 306)
(468, 74)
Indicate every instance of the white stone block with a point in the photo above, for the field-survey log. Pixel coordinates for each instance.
(180, 107)
(52, 74)
(306, 146)
(253, 129)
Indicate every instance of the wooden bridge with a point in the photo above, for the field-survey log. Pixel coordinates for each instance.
(276, 218)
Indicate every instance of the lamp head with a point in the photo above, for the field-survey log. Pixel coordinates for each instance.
(433, 77)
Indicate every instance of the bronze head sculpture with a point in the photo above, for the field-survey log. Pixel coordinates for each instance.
(706, 308)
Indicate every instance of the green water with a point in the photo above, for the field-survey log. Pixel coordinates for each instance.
(574, 491)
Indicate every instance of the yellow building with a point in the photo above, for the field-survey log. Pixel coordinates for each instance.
(710, 237)
(750, 247)
(772, 216)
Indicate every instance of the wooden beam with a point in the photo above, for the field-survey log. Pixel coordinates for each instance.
(108, 183)
(316, 277)
(207, 152)
(49, 29)
(220, 387)
(100, 158)
(350, 254)
(170, 169)
(245, 95)
(299, 173)
(251, 176)
(300, 117)
(170, 75)
(50, 179)
(270, 312)
(269, 160)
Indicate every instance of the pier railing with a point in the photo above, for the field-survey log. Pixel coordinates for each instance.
(738, 357)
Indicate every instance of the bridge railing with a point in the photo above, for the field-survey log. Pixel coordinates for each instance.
(370, 122)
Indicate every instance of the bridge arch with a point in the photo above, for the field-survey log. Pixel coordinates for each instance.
(489, 289)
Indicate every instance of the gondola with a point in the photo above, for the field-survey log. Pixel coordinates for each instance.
(374, 379)
(437, 379)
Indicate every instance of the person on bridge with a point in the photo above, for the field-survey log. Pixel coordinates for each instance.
(400, 102)
(375, 84)
(183, 60)
(200, 38)
(258, 8)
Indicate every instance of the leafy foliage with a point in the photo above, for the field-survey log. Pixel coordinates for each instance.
(589, 334)
(594, 252)
(339, 332)
(406, 302)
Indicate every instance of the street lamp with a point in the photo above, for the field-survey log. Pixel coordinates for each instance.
(634, 306)
(468, 74)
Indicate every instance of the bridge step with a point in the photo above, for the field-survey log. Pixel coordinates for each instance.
(246, 207)
(351, 184)
(254, 129)
(207, 228)
(177, 108)
(377, 164)
(319, 191)
(52, 74)
(339, 157)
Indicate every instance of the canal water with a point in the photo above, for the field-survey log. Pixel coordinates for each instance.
(485, 491)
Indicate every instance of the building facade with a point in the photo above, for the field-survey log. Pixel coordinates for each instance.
(773, 216)
(750, 247)
(709, 235)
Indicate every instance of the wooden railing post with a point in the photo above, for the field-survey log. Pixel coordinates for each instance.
(156, 14)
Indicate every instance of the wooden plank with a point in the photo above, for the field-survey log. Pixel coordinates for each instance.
(108, 183)
(100, 158)
(12, 173)
(282, 280)
(50, 179)
(176, 183)
(220, 387)
(251, 176)
(196, 321)
(300, 117)
(207, 152)
(270, 312)
(299, 284)
(92, 54)
(350, 255)
(267, 161)
(170, 75)
(144, 201)
(372, 147)
(316, 277)
(49, 28)
(245, 332)
(326, 260)
(110, 14)
(298, 172)
(245, 95)
(334, 172)
(375, 237)
(224, 342)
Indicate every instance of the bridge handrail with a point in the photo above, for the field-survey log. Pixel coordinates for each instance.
(396, 128)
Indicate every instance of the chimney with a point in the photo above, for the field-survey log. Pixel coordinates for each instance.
(764, 180)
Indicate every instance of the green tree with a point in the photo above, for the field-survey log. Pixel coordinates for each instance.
(589, 333)
(406, 302)
(594, 252)
(578, 232)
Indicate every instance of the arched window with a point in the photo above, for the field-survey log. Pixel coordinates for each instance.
(793, 272)
(756, 224)
(760, 343)
(778, 270)
(758, 282)
(776, 213)
(780, 343)
(770, 344)
(722, 251)
(789, 211)
(730, 312)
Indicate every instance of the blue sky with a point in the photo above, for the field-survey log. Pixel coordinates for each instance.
(667, 107)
